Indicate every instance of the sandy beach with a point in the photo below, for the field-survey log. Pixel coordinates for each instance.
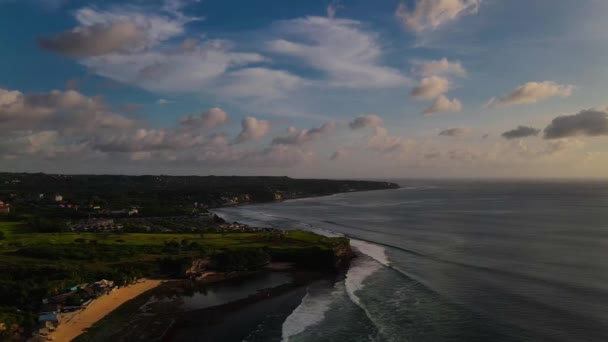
(74, 324)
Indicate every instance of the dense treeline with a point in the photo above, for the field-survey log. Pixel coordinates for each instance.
(240, 260)
(160, 194)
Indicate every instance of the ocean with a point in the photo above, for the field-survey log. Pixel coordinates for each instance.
(453, 261)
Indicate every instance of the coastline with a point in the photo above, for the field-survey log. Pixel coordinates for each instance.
(241, 204)
(76, 323)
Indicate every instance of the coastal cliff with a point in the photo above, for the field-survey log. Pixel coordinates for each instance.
(323, 253)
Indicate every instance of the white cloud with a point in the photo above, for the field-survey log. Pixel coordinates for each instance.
(299, 137)
(341, 48)
(68, 111)
(206, 120)
(253, 129)
(440, 67)
(532, 92)
(143, 139)
(443, 104)
(430, 88)
(163, 101)
(104, 41)
(258, 83)
(156, 28)
(168, 71)
(429, 15)
(548, 149)
(368, 120)
(382, 141)
(95, 40)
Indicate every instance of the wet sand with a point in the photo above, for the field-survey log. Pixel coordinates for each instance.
(75, 323)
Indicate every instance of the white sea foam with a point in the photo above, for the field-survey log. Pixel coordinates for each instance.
(360, 269)
(311, 311)
(372, 250)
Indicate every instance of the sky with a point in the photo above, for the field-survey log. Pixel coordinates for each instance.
(315, 88)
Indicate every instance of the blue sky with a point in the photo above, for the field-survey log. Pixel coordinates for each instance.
(350, 88)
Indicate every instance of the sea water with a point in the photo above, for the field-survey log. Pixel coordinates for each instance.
(455, 261)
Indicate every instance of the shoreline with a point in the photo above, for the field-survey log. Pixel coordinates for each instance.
(295, 198)
(76, 323)
(165, 319)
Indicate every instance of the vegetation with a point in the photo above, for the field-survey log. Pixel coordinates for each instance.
(37, 265)
(66, 230)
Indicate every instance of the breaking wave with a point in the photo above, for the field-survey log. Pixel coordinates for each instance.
(311, 311)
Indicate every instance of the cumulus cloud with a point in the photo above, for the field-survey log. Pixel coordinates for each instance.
(155, 28)
(430, 88)
(208, 120)
(440, 67)
(148, 140)
(455, 132)
(341, 48)
(429, 15)
(382, 141)
(68, 125)
(65, 110)
(103, 43)
(463, 155)
(122, 29)
(589, 122)
(521, 132)
(253, 129)
(95, 40)
(368, 120)
(443, 104)
(552, 148)
(434, 87)
(532, 92)
(299, 137)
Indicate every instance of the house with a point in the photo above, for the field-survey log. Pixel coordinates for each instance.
(5, 208)
(52, 317)
(103, 286)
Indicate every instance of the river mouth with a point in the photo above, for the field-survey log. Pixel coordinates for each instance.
(233, 310)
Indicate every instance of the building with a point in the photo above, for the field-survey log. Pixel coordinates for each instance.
(103, 286)
(51, 317)
(5, 208)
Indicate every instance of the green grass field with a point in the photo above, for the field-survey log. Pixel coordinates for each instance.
(13, 236)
